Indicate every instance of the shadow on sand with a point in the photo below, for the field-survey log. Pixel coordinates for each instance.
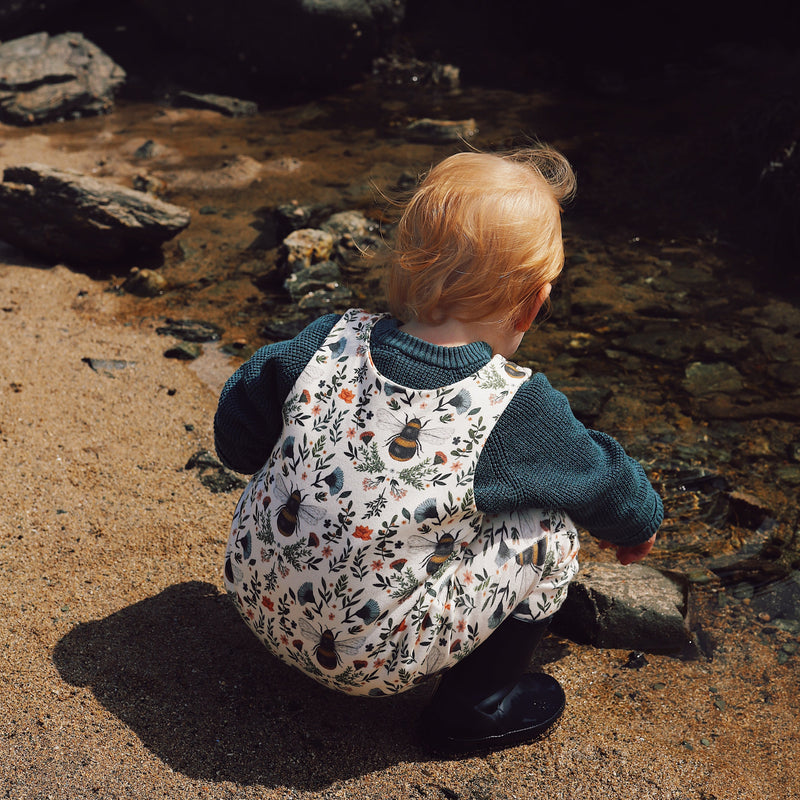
(202, 693)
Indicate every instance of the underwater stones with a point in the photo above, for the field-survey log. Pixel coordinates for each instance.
(190, 330)
(634, 606)
(68, 216)
(145, 282)
(322, 275)
(45, 77)
(229, 106)
(718, 378)
(438, 131)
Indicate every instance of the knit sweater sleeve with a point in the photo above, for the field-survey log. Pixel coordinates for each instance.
(548, 459)
(248, 420)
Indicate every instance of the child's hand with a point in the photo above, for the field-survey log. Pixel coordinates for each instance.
(629, 555)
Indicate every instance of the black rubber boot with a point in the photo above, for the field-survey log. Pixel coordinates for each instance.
(486, 702)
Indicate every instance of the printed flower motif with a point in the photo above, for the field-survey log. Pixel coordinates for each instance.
(351, 432)
(363, 532)
(398, 564)
(455, 466)
(360, 664)
(335, 480)
(251, 613)
(305, 397)
(377, 565)
(366, 437)
(267, 603)
(284, 639)
(461, 401)
(378, 662)
(315, 411)
(327, 551)
(369, 612)
(461, 626)
(297, 644)
(439, 458)
(347, 395)
(305, 594)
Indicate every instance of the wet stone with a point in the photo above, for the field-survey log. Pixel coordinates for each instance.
(185, 351)
(704, 379)
(664, 341)
(326, 300)
(440, 131)
(229, 106)
(190, 330)
(322, 275)
(145, 283)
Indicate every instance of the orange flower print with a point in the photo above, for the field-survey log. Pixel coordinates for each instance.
(315, 411)
(363, 532)
(265, 601)
(305, 397)
(347, 395)
(377, 565)
(351, 432)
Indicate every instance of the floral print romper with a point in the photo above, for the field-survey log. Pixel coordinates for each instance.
(357, 553)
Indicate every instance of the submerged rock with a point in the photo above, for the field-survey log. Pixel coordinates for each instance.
(229, 106)
(635, 606)
(67, 216)
(437, 131)
(45, 77)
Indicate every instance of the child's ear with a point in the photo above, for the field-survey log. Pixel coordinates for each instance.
(526, 320)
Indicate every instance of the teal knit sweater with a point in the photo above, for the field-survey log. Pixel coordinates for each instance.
(537, 456)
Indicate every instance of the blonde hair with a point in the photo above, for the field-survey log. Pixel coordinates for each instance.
(480, 237)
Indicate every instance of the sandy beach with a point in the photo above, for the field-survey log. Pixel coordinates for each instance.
(126, 673)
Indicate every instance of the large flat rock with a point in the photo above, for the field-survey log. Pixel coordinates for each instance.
(66, 216)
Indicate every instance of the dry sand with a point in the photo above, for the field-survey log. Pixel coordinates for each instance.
(126, 674)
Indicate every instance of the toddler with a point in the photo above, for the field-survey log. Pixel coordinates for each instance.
(415, 495)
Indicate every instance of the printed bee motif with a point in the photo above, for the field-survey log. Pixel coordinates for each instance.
(293, 508)
(328, 647)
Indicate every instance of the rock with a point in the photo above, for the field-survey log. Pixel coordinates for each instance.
(718, 378)
(66, 216)
(107, 366)
(306, 246)
(670, 342)
(610, 605)
(355, 237)
(190, 330)
(327, 300)
(779, 599)
(45, 77)
(392, 70)
(229, 106)
(185, 351)
(436, 131)
(145, 282)
(322, 275)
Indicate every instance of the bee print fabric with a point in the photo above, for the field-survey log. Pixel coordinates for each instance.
(357, 553)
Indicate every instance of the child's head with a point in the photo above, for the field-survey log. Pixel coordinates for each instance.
(481, 237)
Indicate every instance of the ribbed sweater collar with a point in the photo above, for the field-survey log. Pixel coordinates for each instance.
(463, 360)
